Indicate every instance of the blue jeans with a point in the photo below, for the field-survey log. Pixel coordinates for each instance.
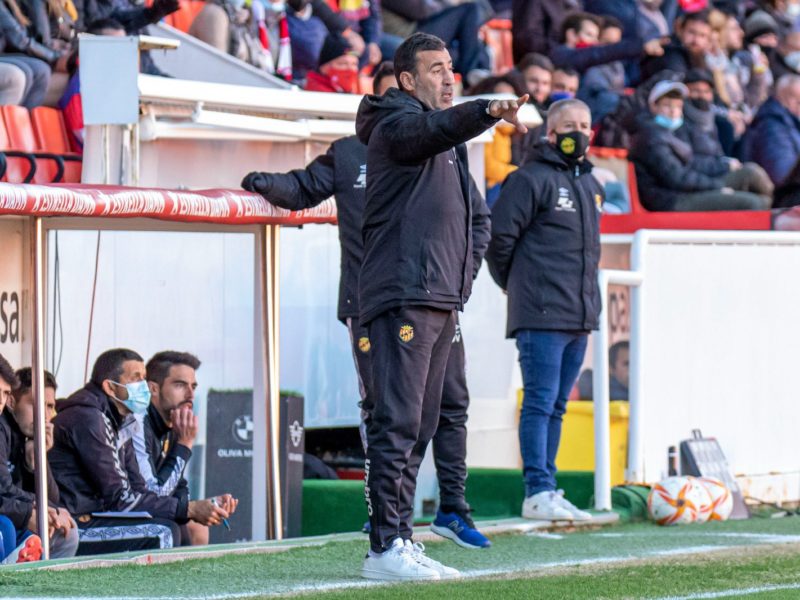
(8, 537)
(550, 362)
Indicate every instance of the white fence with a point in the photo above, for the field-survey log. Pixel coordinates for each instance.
(714, 346)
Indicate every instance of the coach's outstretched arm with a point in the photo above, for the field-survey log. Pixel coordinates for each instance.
(297, 189)
(415, 132)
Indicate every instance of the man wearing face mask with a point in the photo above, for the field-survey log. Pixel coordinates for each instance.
(94, 464)
(338, 68)
(544, 254)
(700, 131)
(667, 174)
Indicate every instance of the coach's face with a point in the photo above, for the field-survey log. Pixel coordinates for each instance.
(433, 81)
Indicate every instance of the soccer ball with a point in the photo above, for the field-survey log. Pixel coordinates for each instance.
(721, 498)
(677, 501)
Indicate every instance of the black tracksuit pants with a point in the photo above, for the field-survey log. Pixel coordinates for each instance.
(100, 535)
(409, 348)
(450, 439)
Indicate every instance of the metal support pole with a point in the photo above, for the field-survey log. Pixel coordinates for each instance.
(37, 368)
(601, 393)
(600, 385)
(270, 275)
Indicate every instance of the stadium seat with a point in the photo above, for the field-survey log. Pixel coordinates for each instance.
(15, 166)
(616, 160)
(497, 36)
(51, 136)
(19, 137)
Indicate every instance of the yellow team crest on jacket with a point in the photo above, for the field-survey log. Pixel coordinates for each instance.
(406, 333)
(598, 202)
(364, 345)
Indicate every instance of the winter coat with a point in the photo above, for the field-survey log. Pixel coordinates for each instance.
(94, 462)
(497, 157)
(14, 38)
(773, 140)
(699, 130)
(665, 169)
(545, 246)
(417, 225)
(582, 59)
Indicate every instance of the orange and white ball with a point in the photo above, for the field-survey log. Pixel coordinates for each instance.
(721, 498)
(678, 501)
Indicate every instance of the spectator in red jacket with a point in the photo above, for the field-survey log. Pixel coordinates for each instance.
(338, 68)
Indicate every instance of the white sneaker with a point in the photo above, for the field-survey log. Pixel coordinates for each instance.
(396, 564)
(577, 513)
(417, 550)
(545, 506)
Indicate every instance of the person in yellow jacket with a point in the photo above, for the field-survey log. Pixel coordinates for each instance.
(499, 159)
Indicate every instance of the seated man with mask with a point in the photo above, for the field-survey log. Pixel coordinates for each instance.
(94, 464)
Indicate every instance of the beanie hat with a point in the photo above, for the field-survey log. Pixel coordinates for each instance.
(696, 75)
(759, 23)
(334, 47)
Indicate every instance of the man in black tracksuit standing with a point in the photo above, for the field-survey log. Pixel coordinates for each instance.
(341, 172)
(417, 271)
(544, 253)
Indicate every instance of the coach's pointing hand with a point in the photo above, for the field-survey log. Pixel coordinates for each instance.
(507, 110)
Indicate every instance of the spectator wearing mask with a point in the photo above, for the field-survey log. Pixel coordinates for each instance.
(618, 374)
(457, 24)
(17, 479)
(536, 71)
(701, 132)
(338, 68)
(785, 59)
(566, 83)
(536, 25)
(667, 174)
(762, 30)
(544, 254)
(773, 139)
(603, 85)
(687, 49)
(165, 434)
(742, 78)
(94, 464)
(580, 46)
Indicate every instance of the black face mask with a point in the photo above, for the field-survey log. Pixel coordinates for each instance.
(572, 145)
(700, 104)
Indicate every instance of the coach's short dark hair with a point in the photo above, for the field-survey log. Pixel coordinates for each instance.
(25, 377)
(109, 364)
(405, 59)
(158, 367)
(7, 373)
(534, 59)
(385, 69)
(575, 22)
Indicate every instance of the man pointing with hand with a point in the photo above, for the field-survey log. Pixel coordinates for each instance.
(417, 271)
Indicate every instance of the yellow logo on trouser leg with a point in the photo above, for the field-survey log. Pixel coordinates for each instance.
(363, 344)
(406, 333)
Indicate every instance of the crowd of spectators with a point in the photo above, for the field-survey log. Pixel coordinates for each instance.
(117, 450)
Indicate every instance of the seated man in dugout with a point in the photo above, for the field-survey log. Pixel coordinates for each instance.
(94, 464)
(19, 531)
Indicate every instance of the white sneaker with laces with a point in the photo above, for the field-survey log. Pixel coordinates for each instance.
(577, 513)
(545, 506)
(396, 564)
(418, 552)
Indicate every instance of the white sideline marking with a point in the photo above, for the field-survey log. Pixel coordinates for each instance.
(734, 592)
(472, 574)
